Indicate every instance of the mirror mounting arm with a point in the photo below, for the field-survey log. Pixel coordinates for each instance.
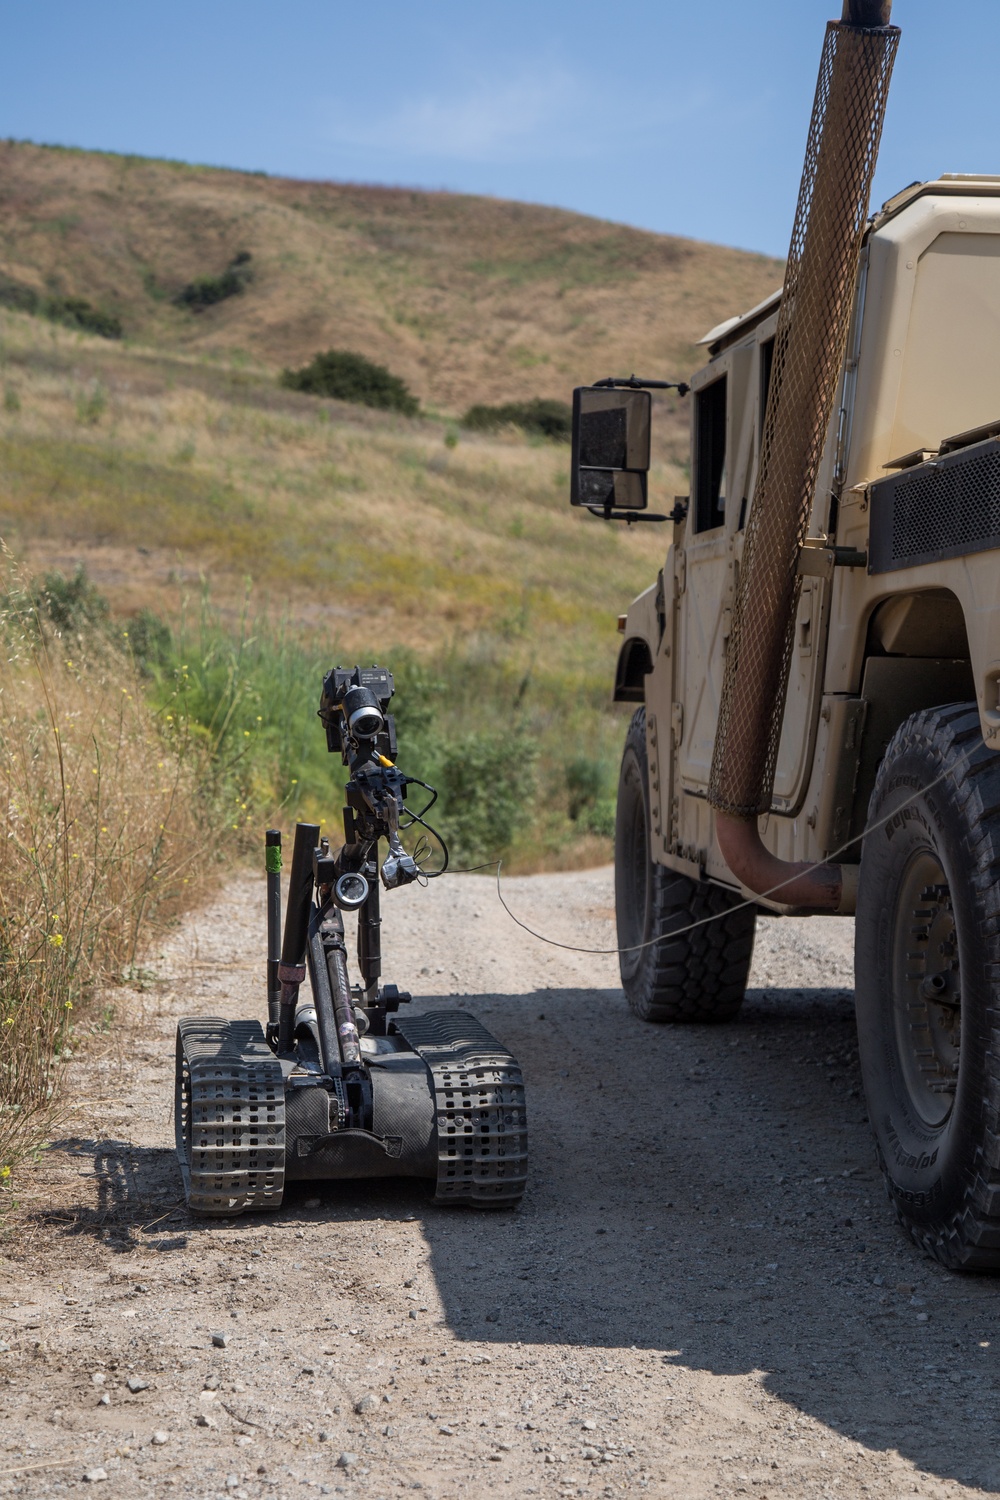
(630, 517)
(635, 383)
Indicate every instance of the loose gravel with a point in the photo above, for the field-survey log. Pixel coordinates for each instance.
(704, 1294)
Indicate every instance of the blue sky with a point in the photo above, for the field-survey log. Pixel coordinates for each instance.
(687, 116)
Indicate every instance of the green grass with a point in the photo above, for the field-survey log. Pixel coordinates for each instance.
(491, 738)
(452, 557)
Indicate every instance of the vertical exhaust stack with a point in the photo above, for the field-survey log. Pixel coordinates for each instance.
(809, 346)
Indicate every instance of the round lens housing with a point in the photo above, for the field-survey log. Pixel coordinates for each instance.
(351, 891)
(363, 713)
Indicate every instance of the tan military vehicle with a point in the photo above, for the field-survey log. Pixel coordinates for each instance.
(816, 667)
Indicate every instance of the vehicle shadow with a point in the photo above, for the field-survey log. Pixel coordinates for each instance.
(712, 1193)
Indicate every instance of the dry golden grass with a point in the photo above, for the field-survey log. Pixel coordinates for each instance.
(99, 845)
(467, 298)
(360, 524)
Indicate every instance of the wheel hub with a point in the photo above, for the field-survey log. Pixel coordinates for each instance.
(927, 990)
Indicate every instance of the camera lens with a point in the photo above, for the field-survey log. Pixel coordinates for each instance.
(350, 891)
(362, 712)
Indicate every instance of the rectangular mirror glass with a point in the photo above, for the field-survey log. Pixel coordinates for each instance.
(618, 488)
(610, 447)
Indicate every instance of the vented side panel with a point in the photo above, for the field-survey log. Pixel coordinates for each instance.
(947, 508)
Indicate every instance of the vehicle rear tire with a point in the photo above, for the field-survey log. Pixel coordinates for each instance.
(696, 975)
(927, 973)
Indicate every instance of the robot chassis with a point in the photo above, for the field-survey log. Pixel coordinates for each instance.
(340, 1085)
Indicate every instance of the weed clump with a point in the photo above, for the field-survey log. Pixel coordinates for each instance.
(539, 417)
(17, 297)
(208, 291)
(353, 377)
(488, 789)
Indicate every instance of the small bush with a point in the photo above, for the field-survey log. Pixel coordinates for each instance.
(208, 291)
(352, 377)
(542, 418)
(487, 785)
(600, 819)
(77, 312)
(19, 298)
(73, 606)
(150, 641)
(590, 801)
(72, 312)
(584, 782)
(91, 405)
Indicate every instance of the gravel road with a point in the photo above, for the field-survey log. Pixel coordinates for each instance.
(704, 1294)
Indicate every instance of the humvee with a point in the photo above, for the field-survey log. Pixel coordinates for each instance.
(881, 789)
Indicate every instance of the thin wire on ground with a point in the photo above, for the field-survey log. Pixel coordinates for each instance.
(703, 921)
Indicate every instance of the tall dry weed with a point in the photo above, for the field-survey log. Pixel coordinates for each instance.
(97, 835)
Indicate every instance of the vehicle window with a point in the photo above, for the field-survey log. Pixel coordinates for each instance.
(710, 456)
(766, 362)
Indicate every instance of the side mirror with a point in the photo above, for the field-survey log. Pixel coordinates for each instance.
(610, 448)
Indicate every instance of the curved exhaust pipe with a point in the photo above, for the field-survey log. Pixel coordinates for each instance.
(832, 888)
(809, 345)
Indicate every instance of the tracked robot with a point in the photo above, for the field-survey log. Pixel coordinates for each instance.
(341, 1084)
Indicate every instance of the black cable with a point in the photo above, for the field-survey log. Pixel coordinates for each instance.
(418, 817)
(431, 874)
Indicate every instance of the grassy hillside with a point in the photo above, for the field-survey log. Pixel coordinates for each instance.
(466, 298)
(171, 462)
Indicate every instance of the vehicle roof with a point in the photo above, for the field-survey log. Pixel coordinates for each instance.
(949, 184)
(742, 320)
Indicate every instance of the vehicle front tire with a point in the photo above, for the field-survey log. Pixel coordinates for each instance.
(671, 974)
(927, 974)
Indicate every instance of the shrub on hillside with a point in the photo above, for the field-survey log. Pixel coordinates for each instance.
(150, 641)
(19, 298)
(72, 312)
(590, 798)
(352, 377)
(72, 605)
(542, 418)
(207, 291)
(77, 312)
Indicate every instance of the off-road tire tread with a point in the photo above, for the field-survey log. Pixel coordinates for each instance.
(970, 1239)
(699, 975)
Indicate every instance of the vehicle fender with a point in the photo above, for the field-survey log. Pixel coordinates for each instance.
(638, 649)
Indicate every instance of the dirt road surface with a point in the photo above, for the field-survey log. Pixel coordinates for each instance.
(704, 1294)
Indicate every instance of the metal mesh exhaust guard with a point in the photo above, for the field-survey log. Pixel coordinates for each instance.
(809, 346)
